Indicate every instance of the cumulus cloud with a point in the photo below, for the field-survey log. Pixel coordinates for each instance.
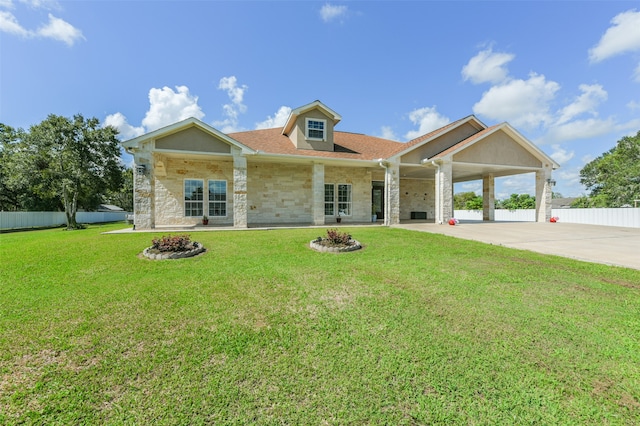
(581, 129)
(60, 30)
(9, 24)
(231, 110)
(517, 184)
(278, 120)
(167, 106)
(487, 66)
(330, 12)
(388, 133)
(622, 37)
(587, 102)
(427, 119)
(523, 103)
(561, 155)
(55, 29)
(126, 130)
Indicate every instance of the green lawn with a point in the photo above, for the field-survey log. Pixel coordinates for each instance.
(416, 328)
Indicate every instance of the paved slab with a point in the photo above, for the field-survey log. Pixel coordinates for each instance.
(610, 245)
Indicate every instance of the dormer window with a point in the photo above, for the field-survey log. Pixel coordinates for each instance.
(316, 128)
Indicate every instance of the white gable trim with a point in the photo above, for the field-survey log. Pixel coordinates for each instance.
(301, 110)
(182, 125)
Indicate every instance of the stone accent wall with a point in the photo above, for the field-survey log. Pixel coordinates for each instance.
(360, 180)
(169, 190)
(417, 196)
(143, 202)
(279, 193)
(240, 191)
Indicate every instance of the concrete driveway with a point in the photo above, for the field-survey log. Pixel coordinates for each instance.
(610, 245)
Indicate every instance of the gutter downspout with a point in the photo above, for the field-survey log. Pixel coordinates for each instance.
(439, 212)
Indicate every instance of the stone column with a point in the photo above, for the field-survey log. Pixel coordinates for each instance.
(239, 191)
(392, 194)
(444, 192)
(543, 194)
(143, 192)
(317, 188)
(488, 198)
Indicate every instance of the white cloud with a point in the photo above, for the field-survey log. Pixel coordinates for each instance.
(387, 133)
(6, 4)
(9, 24)
(60, 30)
(623, 36)
(167, 107)
(561, 155)
(487, 66)
(126, 130)
(580, 129)
(587, 102)
(636, 74)
(278, 120)
(330, 12)
(516, 184)
(427, 119)
(235, 108)
(521, 102)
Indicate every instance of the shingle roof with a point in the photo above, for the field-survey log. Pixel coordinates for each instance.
(352, 146)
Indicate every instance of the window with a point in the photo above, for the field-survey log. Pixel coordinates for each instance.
(217, 198)
(315, 128)
(329, 195)
(193, 197)
(343, 199)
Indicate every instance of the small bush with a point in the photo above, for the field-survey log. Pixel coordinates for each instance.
(337, 238)
(172, 243)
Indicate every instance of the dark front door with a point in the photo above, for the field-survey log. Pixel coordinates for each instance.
(377, 199)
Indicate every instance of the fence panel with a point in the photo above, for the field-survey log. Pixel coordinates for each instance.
(20, 220)
(625, 217)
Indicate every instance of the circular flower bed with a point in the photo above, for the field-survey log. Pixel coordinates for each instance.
(335, 242)
(173, 247)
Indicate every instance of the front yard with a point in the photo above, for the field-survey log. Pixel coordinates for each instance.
(416, 328)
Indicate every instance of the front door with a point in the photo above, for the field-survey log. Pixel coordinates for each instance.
(377, 199)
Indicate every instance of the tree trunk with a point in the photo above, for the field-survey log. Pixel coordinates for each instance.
(70, 208)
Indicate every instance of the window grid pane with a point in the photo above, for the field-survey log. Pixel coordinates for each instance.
(193, 197)
(217, 198)
(328, 200)
(344, 199)
(315, 129)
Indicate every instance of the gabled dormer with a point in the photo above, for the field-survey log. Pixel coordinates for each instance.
(311, 126)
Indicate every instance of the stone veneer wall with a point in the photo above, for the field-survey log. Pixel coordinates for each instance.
(417, 196)
(279, 193)
(360, 180)
(169, 190)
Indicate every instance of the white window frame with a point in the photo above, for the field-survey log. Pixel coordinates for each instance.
(335, 203)
(193, 202)
(333, 199)
(307, 129)
(349, 203)
(221, 202)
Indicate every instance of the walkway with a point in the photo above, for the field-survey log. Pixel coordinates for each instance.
(610, 245)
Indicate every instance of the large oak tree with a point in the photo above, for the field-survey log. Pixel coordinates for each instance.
(69, 160)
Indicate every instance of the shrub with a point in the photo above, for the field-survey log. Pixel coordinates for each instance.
(171, 243)
(337, 238)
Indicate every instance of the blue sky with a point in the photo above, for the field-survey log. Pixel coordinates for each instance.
(566, 74)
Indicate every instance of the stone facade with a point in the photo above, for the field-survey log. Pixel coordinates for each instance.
(417, 196)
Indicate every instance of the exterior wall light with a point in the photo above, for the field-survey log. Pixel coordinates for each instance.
(551, 182)
(141, 169)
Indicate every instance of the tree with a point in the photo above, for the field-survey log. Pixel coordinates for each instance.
(123, 196)
(70, 160)
(614, 177)
(518, 201)
(467, 201)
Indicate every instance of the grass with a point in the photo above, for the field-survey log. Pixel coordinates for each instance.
(415, 329)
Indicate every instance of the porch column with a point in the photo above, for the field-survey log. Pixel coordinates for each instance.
(239, 191)
(444, 191)
(392, 194)
(143, 192)
(488, 198)
(543, 194)
(317, 186)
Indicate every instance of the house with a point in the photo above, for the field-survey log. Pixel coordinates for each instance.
(307, 172)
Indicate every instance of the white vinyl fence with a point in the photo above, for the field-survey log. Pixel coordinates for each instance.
(21, 220)
(626, 217)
